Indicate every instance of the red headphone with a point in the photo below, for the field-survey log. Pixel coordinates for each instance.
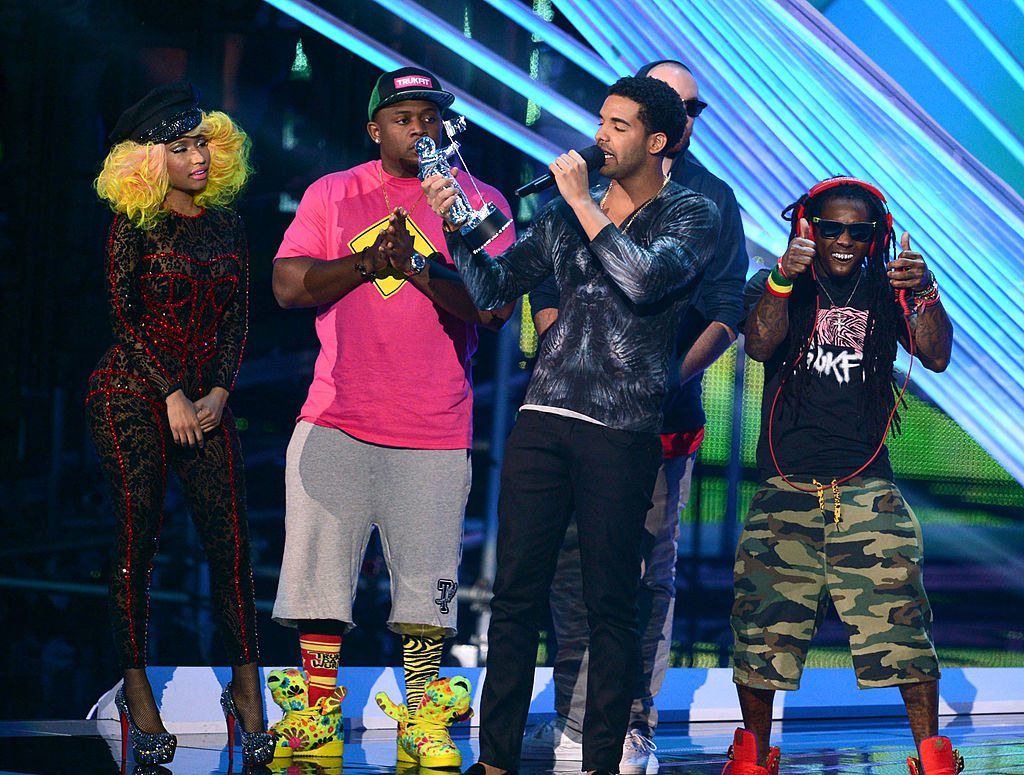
(839, 181)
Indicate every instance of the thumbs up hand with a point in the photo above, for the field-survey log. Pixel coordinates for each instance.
(908, 270)
(799, 254)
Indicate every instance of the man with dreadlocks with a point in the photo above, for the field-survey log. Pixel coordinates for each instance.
(828, 519)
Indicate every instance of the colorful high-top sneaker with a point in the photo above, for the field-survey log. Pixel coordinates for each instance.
(743, 756)
(423, 736)
(305, 731)
(938, 757)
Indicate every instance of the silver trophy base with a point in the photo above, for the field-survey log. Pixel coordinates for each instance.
(479, 234)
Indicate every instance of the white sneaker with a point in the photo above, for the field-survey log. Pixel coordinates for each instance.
(549, 740)
(638, 754)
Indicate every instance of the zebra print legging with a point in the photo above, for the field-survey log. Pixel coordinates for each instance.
(422, 658)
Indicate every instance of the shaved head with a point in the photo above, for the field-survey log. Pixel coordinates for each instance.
(682, 81)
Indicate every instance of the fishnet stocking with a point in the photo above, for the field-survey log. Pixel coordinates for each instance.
(141, 704)
(247, 692)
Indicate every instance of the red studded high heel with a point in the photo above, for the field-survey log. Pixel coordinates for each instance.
(147, 747)
(257, 747)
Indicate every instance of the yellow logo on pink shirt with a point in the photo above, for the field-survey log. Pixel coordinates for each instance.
(390, 281)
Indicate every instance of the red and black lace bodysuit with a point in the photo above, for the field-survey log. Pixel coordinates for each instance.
(179, 309)
(179, 304)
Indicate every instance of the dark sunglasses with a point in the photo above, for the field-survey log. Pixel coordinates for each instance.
(859, 232)
(694, 107)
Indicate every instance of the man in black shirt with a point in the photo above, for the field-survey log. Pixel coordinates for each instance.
(708, 329)
(627, 258)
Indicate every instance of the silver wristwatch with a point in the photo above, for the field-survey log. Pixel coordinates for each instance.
(417, 262)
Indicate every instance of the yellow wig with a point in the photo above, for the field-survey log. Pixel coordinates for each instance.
(134, 178)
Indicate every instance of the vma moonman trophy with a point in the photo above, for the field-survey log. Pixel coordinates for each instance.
(481, 226)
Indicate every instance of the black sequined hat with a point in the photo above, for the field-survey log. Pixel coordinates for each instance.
(165, 114)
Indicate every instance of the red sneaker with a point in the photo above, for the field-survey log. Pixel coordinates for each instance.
(743, 756)
(938, 757)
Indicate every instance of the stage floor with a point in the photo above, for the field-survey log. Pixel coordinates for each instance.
(991, 744)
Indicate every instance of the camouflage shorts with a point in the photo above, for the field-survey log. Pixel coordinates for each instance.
(792, 556)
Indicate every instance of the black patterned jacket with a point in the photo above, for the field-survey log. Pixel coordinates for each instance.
(621, 297)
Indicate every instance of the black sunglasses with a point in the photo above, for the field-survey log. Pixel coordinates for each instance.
(859, 232)
(694, 107)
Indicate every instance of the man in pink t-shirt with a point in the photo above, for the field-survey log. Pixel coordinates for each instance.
(384, 435)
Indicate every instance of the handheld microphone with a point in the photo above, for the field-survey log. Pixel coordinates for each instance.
(593, 156)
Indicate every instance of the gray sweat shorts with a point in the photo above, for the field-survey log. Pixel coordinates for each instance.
(337, 489)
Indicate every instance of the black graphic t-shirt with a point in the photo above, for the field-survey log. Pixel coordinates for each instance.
(824, 437)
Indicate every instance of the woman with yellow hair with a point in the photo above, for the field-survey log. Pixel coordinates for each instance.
(177, 276)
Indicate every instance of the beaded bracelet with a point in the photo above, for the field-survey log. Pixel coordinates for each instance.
(360, 267)
(929, 296)
(932, 285)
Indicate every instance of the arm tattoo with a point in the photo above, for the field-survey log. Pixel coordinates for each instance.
(767, 325)
(933, 336)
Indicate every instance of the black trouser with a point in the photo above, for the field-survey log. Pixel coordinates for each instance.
(135, 448)
(553, 466)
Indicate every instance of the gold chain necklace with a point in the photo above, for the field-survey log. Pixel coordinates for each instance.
(639, 209)
(848, 298)
(384, 190)
(834, 306)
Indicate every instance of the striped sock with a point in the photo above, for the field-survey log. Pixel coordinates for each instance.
(320, 657)
(422, 658)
